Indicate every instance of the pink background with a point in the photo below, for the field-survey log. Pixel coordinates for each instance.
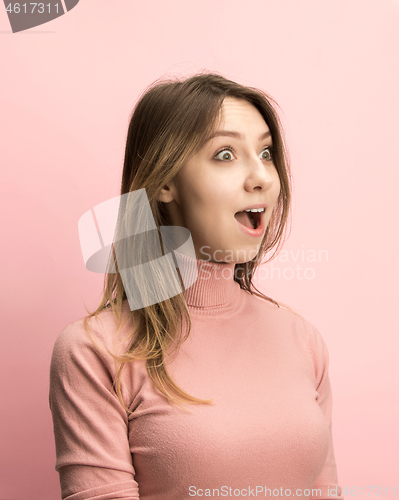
(66, 91)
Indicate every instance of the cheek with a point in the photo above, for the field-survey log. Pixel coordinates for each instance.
(204, 201)
(197, 211)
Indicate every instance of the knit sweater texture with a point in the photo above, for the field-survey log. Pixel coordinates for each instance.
(267, 434)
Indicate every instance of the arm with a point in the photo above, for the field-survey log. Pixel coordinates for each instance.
(90, 424)
(327, 481)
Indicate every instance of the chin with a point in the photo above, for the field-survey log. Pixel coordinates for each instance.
(228, 255)
(246, 255)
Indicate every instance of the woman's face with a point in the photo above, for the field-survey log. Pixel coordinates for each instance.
(232, 172)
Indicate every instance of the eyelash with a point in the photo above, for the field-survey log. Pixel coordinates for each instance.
(230, 148)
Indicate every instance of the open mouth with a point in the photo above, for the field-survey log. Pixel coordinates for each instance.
(249, 219)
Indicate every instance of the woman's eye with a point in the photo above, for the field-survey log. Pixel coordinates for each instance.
(224, 154)
(267, 153)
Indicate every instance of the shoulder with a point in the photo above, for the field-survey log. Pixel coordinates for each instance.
(280, 313)
(88, 338)
(85, 362)
(292, 323)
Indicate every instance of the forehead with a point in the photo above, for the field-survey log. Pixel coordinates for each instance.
(239, 114)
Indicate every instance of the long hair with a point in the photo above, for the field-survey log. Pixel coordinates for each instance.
(169, 124)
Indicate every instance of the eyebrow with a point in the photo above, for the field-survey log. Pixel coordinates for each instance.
(236, 135)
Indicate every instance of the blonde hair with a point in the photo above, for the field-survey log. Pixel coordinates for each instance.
(169, 124)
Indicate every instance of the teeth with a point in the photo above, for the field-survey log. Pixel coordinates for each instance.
(255, 210)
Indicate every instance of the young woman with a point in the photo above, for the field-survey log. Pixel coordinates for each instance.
(217, 390)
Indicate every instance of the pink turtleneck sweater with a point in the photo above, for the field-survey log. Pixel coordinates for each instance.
(267, 435)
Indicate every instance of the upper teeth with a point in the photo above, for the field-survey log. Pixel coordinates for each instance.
(255, 210)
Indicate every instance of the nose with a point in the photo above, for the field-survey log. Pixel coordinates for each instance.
(260, 175)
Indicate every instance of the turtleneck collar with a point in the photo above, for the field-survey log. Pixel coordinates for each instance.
(214, 291)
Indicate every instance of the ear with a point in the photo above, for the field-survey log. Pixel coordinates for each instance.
(167, 193)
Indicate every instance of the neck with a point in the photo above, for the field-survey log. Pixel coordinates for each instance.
(208, 284)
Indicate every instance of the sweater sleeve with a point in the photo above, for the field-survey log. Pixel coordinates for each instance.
(90, 424)
(327, 482)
